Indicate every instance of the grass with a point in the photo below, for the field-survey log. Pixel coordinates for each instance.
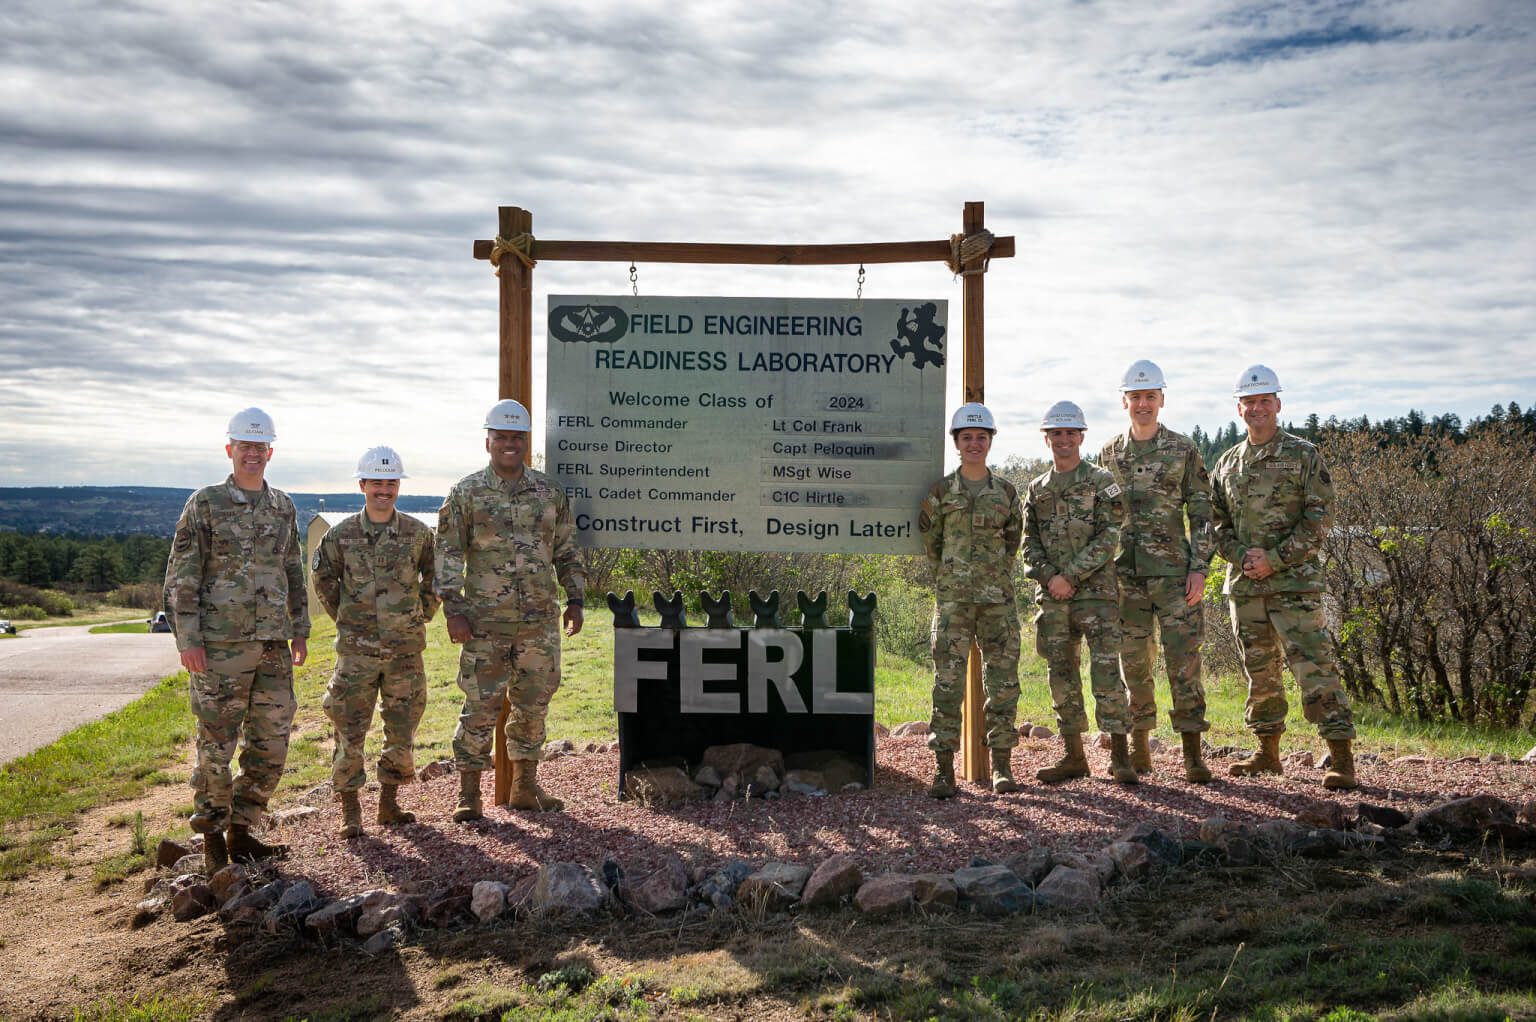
(89, 614)
(139, 1009)
(124, 627)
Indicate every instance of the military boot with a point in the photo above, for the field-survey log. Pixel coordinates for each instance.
(215, 853)
(1072, 764)
(390, 812)
(469, 797)
(1120, 761)
(1141, 750)
(943, 785)
(1265, 761)
(245, 848)
(1195, 770)
(526, 793)
(1341, 766)
(1002, 772)
(351, 815)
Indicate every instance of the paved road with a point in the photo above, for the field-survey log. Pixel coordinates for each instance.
(54, 679)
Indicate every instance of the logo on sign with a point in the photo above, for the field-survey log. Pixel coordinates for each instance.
(915, 332)
(601, 324)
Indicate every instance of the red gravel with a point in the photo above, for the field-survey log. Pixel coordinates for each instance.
(894, 827)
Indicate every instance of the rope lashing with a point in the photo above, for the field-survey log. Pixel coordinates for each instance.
(968, 253)
(520, 246)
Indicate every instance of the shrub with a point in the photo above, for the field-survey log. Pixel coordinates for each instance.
(23, 612)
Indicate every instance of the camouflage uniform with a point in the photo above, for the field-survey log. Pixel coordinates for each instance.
(234, 585)
(971, 543)
(1071, 524)
(1276, 497)
(501, 543)
(376, 581)
(1163, 479)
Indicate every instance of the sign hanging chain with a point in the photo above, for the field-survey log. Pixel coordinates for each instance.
(858, 292)
(634, 280)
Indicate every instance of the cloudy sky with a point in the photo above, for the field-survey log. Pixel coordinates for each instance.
(275, 204)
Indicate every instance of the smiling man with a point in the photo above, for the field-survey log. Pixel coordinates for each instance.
(971, 525)
(1072, 518)
(234, 588)
(1271, 501)
(504, 535)
(373, 574)
(1162, 566)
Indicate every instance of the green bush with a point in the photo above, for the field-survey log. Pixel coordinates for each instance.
(23, 612)
(140, 595)
(55, 603)
(904, 621)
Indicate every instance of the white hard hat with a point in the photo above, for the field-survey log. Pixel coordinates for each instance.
(253, 426)
(508, 414)
(1142, 375)
(1063, 415)
(380, 463)
(972, 416)
(1256, 379)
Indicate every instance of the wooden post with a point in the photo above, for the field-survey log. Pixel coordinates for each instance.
(974, 763)
(514, 379)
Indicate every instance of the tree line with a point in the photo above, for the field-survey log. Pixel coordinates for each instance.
(86, 563)
(1405, 429)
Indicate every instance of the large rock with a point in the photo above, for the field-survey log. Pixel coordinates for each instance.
(432, 771)
(339, 917)
(664, 889)
(192, 902)
(886, 895)
(251, 906)
(993, 890)
(224, 881)
(1065, 887)
(910, 728)
(447, 907)
(380, 910)
(1279, 835)
(1131, 858)
(382, 941)
(933, 892)
(1528, 811)
(837, 769)
(488, 899)
(294, 814)
(1529, 757)
(804, 782)
(1096, 862)
(835, 880)
(742, 759)
(660, 786)
(1382, 816)
(1324, 815)
(1164, 849)
(568, 888)
(168, 852)
(1238, 850)
(193, 862)
(297, 902)
(1031, 866)
(1212, 827)
(1462, 817)
(775, 886)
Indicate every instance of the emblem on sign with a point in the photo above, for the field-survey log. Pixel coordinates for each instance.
(600, 324)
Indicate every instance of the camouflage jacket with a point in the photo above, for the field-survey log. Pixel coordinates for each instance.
(1071, 525)
(1161, 485)
(971, 542)
(1278, 497)
(235, 573)
(500, 545)
(377, 585)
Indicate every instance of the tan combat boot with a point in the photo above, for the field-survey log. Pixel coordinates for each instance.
(215, 852)
(390, 812)
(1265, 761)
(1120, 761)
(351, 815)
(943, 785)
(1195, 770)
(245, 848)
(1072, 764)
(1341, 766)
(1002, 772)
(526, 793)
(469, 797)
(1141, 750)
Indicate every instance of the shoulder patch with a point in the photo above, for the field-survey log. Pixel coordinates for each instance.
(314, 561)
(1112, 491)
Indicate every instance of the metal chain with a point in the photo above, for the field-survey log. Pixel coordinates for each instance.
(634, 280)
(859, 291)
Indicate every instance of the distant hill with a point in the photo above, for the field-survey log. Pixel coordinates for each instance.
(152, 510)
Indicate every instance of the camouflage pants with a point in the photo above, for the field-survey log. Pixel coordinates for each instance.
(995, 628)
(399, 686)
(246, 691)
(1160, 599)
(525, 669)
(1262, 624)
(1060, 628)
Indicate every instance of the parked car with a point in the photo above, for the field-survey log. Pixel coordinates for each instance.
(160, 623)
(6, 627)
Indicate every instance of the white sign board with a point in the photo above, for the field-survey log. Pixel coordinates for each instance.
(785, 424)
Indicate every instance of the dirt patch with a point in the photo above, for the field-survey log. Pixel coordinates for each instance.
(68, 945)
